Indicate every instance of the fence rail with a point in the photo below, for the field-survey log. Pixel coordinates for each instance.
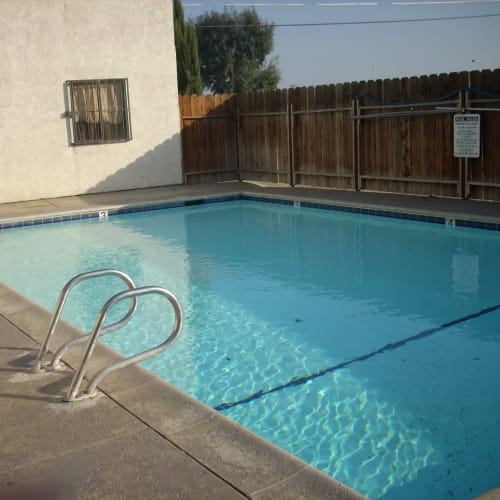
(384, 135)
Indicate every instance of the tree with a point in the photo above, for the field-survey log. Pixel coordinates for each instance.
(233, 48)
(186, 49)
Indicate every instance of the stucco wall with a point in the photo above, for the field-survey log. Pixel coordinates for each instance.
(44, 43)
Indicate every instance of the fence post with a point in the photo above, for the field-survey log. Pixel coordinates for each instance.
(290, 143)
(462, 162)
(182, 107)
(237, 133)
(466, 192)
(355, 144)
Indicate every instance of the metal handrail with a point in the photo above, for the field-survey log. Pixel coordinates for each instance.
(73, 392)
(402, 114)
(39, 360)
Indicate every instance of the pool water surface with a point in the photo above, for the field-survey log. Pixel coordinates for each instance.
(366, 346)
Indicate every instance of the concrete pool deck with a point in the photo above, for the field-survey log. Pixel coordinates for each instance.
(141, 437)
(447, 207)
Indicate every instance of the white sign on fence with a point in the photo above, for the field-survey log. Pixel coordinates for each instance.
(466, 135)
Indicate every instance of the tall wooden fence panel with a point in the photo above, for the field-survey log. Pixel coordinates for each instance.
(393, 135)
(263, 136)
(323, 136)
(483, 174)
(406, 141)
(208, 138)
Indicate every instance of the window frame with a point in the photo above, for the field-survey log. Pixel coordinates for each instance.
(76, 139)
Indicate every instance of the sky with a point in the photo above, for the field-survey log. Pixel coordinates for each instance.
(358, 46)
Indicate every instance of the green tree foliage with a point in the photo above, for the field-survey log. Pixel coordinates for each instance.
(233, 48)
(186, 49)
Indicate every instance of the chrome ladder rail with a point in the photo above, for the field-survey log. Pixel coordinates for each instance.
(73, 393)
(39, 361)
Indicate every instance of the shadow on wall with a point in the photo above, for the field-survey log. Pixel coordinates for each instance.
(157, 167)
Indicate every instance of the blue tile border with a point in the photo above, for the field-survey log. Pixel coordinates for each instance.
(434, 219)
(115, 211)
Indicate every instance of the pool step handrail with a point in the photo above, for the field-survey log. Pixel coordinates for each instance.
(40, 362)
(73, 393)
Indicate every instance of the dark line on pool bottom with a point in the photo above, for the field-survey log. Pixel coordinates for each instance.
(299, 380)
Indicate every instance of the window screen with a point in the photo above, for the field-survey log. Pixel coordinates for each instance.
(99, 111)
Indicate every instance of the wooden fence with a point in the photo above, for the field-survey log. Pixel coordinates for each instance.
(385, 135)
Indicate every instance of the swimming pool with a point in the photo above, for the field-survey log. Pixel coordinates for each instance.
(366, 346)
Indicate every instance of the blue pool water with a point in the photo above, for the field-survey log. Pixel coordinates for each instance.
(366, 346)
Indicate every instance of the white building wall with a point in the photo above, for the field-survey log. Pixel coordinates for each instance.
(44, 43)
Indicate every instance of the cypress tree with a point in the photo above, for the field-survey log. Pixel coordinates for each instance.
(186, 49)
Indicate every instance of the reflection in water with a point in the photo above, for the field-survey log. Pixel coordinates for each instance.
(465, 269)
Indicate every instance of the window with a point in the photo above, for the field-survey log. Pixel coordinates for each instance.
(99, 111)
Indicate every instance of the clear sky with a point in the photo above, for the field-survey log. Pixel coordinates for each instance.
(363, 50)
